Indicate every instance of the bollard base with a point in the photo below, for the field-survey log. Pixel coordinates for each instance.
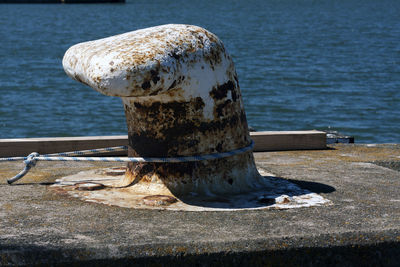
(104, 186)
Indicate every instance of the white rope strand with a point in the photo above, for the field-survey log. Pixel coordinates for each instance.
(74, 153)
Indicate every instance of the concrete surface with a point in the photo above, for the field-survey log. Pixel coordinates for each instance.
(361, 228)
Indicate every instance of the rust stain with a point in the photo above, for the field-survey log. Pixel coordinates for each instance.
(115, 171)
(159, 200)
(88, 186)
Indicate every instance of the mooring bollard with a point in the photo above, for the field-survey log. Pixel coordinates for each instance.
(181, 97)
(183, 105)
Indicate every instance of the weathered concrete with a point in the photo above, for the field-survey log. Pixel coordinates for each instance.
(362, 228)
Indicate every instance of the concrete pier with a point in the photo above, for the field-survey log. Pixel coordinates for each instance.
(362, 227)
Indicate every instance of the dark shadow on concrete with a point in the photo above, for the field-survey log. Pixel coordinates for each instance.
(330, 148)
(313, 186)
(378, 254)
(263, 197)
(386, 254)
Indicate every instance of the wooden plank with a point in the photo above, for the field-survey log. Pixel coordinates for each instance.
(288, 140)
(47, 145)
(264, 141)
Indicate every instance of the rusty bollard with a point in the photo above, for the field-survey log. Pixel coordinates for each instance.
(181, 97)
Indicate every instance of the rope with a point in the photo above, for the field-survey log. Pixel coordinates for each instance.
(75, 153)
(30, 161)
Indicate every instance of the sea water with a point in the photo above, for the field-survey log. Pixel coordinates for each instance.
(302, 64)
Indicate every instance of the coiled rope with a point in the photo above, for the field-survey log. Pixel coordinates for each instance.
(31, 159)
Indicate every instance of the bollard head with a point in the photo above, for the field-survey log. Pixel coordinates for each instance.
(181, 97)
(150, 61)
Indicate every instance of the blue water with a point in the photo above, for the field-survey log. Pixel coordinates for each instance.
(301, 64)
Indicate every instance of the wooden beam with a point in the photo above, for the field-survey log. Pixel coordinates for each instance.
(48, 145)
(288, 140)
(264, 141)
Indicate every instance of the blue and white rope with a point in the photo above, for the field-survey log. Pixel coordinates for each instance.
(31, 160)
(75, 153)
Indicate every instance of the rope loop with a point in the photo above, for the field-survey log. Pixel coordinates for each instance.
(29, 163)
(31, 160)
